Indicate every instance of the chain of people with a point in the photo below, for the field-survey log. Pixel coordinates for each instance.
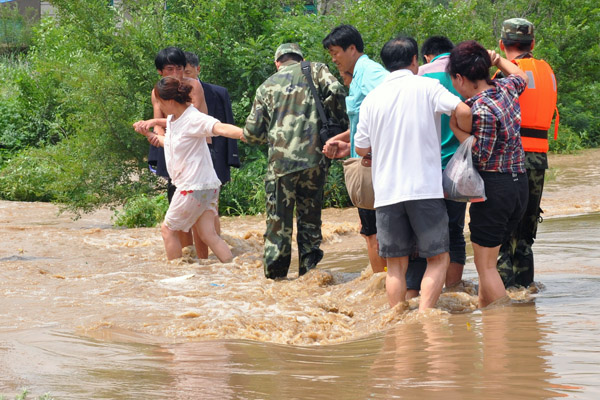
(413, 126)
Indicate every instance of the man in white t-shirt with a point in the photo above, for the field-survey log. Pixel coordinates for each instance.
(400, 125)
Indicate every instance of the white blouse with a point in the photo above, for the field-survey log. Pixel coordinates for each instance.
(186, 151)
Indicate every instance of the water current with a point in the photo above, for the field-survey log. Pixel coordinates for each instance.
(88, 311)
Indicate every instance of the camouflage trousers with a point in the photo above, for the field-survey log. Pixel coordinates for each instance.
(304, 191)
(515, 262)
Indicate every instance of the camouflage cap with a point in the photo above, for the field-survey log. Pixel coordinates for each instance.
(287, 48)
(517, 29)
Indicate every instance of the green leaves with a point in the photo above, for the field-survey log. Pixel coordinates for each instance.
(66, 107)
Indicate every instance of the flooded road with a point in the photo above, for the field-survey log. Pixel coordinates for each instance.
(92, 312)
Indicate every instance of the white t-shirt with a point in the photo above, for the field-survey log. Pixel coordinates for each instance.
(400, 121)
(186, 151)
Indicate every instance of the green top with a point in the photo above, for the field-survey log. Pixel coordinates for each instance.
(436, 69)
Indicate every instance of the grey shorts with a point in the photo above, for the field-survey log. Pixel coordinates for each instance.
(420, 223)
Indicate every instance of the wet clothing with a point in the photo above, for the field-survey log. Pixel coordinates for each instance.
(188, 205)
(368, 222)
(496, 124)
(456, 229)
(285, 117)
(515, 263)
(302, 190)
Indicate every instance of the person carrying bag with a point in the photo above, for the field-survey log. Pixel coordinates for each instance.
(357, 171)
(461, 180)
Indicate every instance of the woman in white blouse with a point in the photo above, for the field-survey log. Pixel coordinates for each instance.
(190, 166)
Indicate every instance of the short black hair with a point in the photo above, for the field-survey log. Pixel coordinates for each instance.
(169, 56)
(290, 56)
(399, 52)
(344, 36)
(436, 45)
(192, 59)
(518, 45)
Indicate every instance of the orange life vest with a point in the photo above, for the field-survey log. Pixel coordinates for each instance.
(538, 105)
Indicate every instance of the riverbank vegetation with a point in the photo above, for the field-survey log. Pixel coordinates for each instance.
(68, 101)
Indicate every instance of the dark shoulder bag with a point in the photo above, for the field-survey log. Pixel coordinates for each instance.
(329, 128)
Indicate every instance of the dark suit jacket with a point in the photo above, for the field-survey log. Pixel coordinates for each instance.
(224, 151)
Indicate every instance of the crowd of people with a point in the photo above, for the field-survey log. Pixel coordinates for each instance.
(405, 120)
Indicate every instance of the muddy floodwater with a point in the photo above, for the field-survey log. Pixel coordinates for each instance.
(89, 311)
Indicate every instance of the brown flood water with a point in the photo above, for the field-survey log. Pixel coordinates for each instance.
(88, 311)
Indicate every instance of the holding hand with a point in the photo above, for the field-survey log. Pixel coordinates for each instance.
(143, 127)
(336, 148)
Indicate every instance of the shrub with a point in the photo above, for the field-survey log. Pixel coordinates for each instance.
(142, 211)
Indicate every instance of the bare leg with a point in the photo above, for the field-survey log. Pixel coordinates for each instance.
(206, 230)
(433, 280)
(454, 274)
(185, 238)
(201, 247)
(172, 242)
(491, 287)
(217, 224)
(395, 282)
(377, 263)
(411, 294)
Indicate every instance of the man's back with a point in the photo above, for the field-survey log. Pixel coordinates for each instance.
(399, 117)
(285, 116)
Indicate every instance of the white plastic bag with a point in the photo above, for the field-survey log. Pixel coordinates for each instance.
(460, 180)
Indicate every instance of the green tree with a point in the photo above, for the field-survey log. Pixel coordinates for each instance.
(67, 108)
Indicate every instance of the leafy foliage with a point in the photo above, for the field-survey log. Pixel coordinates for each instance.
(66, 106)
(142, 211)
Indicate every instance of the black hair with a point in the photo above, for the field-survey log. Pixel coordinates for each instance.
(524, 46)
(399, 53)
(344, 36)
(471, 60)
(191, 58)
(169, 56)
(169, 88)
(290, 56)
(436, 45)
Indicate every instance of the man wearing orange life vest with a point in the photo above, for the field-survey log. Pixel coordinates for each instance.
(538, 105)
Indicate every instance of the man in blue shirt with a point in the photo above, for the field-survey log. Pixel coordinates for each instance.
(345, 45)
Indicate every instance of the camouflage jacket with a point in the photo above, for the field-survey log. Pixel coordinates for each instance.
(284, 115)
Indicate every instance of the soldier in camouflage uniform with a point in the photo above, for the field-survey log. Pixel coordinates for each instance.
(515, 263)
(284, 115)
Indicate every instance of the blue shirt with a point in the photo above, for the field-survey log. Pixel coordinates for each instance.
(367, 76)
